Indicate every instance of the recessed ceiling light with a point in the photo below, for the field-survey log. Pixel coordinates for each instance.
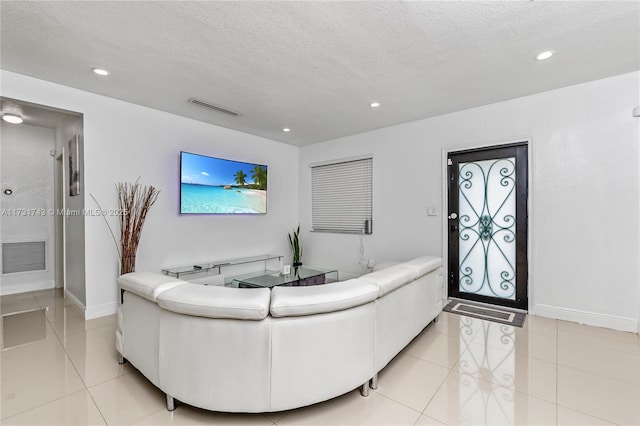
(545, 55)
(374, 104)
(286, 129)
(100, 71)
(12, 118)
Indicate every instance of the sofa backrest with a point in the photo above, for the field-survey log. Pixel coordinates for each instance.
(255, 304)
(298, 301)
(384, 264)
(390, 278)
(148, 284)
(395, 276)
(423, 265)
(217, 301)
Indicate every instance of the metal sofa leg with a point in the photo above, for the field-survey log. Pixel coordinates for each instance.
(373, 383)
(364, 389)
(121, 359)
(437, 318)
(171, 403)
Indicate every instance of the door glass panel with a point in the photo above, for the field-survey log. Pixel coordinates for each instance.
(487, 228)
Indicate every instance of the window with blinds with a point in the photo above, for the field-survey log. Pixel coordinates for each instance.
(342, 196)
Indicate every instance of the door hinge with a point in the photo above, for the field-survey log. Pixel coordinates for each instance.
(449, 162)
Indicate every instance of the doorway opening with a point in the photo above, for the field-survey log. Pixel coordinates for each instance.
(34, 198)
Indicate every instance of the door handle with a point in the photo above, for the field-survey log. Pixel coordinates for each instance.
(453, 216)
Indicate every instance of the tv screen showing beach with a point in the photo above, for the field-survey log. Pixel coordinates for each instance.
(219, 186)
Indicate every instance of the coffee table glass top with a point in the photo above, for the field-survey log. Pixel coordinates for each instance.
(300, 276)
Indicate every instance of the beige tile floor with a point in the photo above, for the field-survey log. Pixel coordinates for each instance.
(457, 371)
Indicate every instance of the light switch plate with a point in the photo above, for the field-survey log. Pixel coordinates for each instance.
(432, 211)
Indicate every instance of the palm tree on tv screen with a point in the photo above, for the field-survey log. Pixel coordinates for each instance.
(259, 176)
(240, 177)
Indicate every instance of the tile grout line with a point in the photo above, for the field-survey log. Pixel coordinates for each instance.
(435, 364)
(514, 390)
(611, 422)
(86, 387)
(66, 354)
(53, 328)
(580, 336)
(598, 375)
(75, 368)
(151, 414)
(39, 406)
(438, 390)
(558, 405)
(398, 402)
(104, 419)
(448, 374)
(558, 364)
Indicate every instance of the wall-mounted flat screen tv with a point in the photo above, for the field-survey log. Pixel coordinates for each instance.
(218, 186)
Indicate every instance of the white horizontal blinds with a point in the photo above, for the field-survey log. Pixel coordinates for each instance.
(342, 195)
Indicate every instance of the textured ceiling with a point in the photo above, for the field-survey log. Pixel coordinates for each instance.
(315, 66)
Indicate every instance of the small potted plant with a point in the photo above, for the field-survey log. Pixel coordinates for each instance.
(296, 250)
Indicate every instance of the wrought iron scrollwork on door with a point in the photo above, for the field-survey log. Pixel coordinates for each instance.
(487, 227)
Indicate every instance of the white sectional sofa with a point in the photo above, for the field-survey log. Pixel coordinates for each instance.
(262, 350)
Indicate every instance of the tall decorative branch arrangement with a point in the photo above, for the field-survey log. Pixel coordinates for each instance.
(134, 201)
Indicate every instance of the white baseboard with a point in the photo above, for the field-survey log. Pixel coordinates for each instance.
(25, 287)
(100, 311)
(74, 300)
(93, 312)
(589, 318)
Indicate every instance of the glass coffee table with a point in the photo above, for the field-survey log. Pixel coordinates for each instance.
(299, 277)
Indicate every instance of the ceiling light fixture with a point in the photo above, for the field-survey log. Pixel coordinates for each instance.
(12, 118)
(286, 129)
(374, 104)
(545, 55)
(100, 71)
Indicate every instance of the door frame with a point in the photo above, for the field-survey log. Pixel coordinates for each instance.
(531, 255)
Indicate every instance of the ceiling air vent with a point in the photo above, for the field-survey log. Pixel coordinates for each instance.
(213, 107)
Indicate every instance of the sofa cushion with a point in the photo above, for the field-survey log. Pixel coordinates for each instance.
(148, 284)
(384, 264)
(390, 278)
(423, 265)
(298, 301)
(217, 301)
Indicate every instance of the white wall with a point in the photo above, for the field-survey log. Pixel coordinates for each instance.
(122, 142)
(27, 169)
(584, 227)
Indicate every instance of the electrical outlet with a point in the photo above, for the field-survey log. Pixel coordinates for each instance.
(432, 211)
